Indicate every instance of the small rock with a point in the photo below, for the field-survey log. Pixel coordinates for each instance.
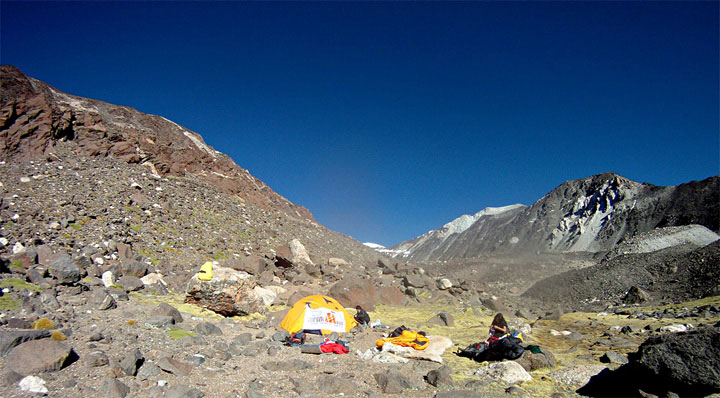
(130, 283)
(207, 329)
(148, 370)
(33, 384)
(9, 378)
(96, 359)
(131, 362)
(108, 279)
(174, 366)
(440, 376)
(394, 382)
(160, 321)
(114, 388)
(613, 357)
(183, 391)
(102, 300)
(169, 310)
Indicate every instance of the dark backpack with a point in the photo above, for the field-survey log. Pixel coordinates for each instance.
(398, 331)
(473, 351)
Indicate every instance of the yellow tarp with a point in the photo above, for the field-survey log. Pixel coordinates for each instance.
(318, 312)
(408, 338)
(205, 273)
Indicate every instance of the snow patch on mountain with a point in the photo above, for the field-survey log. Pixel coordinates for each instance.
(448, 230)
(579, 229)
(464, 222)
(373, 245)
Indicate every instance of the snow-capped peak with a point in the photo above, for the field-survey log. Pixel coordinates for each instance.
(464, 222)
(373, 245)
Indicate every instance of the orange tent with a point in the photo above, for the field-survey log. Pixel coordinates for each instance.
(318, 313)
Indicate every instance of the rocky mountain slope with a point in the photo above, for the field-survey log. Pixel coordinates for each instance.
(78, 172)
(591, 215)
(35, 117)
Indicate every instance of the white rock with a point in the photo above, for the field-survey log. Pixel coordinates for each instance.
(277, 289)
(444, 284)
(24, 179)
(266, 295)
(153, 278)
(108, 279)
(3, 242)
(510, 372)
(15, 217)
(298, 252)
(676, 328)
(135, 185)
(33, 384)
(18, 248)
(334, 262)
(54, 225)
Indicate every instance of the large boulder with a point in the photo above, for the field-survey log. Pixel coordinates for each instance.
(38, 356)
(508, 371)
(10, 339)
(228, 293)
(65, 270)
(353, 291)
(298, 253)
(686, 363)
(253, 265)
(391, 296)
(531, 361)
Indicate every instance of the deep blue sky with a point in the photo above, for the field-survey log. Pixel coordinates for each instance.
(387, 120)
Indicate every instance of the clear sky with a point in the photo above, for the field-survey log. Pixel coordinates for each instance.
(387, 120)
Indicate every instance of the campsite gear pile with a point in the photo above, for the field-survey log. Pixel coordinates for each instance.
(496, 349)
(405, 337)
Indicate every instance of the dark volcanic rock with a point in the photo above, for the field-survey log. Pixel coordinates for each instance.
(684, 363)
(65, 270)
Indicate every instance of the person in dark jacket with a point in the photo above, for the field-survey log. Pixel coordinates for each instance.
(498, 327)
(362, 316)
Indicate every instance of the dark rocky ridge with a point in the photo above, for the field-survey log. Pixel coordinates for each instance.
(35, 117)
(676, 274)
(592, 214)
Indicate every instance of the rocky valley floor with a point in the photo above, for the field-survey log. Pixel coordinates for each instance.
(131, 350)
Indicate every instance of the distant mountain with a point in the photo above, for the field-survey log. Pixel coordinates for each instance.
(430, 243)
(587, 215)
(35, 116)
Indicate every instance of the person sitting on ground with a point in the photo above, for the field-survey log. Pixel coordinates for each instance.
(499, 327)
(362, 316)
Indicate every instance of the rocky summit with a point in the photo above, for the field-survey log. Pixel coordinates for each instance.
(137, 261)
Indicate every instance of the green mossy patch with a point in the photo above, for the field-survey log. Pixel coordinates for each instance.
(8, 303)
(17, 284)
(177, 333)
